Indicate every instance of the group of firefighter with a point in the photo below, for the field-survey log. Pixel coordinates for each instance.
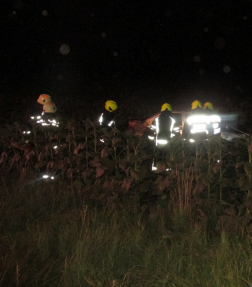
(202, 120)
(159, 128)
(162, 126)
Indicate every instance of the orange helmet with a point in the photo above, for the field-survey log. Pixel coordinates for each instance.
(44, 98)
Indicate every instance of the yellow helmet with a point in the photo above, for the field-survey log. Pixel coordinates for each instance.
(196, 104)
(208, 105)
(110, 106)
(166, 106)
(44, 98)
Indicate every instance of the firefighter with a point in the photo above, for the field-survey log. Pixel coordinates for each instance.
(196, 106)
(202, 122)
(163, 128)
(208, 107)
(107, 118)
(48, 117)
(213, 124)
(163, 125)
(48, 105)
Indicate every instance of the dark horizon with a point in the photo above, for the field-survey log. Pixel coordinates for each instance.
(182, 51)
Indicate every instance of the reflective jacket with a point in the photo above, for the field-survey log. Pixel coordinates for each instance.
(107, 119)
(204, 122)
(163, 127)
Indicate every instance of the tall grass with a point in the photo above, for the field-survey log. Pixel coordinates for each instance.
(51, 237)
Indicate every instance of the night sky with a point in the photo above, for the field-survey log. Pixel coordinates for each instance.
(135, 51)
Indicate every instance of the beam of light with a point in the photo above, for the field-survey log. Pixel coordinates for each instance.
(214, 119)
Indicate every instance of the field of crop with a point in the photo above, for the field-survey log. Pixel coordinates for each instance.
(101, 217)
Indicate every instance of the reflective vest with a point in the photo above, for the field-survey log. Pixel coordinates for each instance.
(163, 128)
(204, 124)
(107, 119)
